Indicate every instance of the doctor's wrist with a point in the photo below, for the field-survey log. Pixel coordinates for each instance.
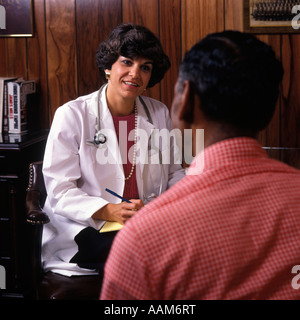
(106, 213)
(102, 213)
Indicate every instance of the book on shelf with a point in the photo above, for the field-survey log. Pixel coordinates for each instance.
(4, 103)
(16, 137)
(19, 93)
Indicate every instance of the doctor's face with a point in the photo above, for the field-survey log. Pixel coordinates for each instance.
(130, 77)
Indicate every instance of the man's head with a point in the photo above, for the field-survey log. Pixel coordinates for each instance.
(233, 78)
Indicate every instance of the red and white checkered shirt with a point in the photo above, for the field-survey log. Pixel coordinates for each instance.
(230, 232)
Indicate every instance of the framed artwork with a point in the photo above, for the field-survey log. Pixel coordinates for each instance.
(272, 16)
(16, 18)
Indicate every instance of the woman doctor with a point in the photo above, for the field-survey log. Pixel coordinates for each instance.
(94, 144)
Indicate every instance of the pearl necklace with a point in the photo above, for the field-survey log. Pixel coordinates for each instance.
(134, 146)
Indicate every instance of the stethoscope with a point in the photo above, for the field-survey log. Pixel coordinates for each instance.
(100, 139)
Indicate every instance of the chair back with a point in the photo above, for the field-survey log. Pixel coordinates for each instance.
(36, 218)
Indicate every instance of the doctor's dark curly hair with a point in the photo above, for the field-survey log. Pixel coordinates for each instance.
(133, 41)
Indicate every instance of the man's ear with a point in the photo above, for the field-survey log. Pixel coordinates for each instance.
(186, 111)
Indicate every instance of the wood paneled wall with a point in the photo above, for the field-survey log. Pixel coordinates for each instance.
(61, 55)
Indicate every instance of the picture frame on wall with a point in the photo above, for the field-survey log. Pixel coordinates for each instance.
(272, 16)
(16, 18)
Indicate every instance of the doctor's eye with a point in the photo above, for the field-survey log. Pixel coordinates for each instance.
(147, 67)
(127, 62)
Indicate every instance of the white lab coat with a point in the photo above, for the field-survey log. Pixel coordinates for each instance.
(76, 182)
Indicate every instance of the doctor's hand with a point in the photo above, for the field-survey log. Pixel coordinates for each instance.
(130, 209)
(120, 212)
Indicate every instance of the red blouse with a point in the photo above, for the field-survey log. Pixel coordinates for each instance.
(130, 188)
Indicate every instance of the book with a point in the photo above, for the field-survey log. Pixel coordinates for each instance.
(4, 103)
(18, 96)
(16, 137)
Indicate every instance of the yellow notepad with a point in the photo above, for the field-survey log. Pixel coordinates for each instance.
(111, 226)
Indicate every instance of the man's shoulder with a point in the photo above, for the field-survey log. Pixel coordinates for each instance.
(162, 209)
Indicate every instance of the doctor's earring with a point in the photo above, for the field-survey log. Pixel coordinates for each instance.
(107, 75)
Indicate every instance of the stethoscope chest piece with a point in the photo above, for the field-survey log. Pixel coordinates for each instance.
(99, 138)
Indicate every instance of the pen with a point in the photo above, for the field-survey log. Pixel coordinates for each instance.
(116, 195)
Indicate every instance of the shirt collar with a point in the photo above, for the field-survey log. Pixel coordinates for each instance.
(226, 152)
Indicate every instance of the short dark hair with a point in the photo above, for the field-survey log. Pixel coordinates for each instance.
(237, 78)
(133, 41)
